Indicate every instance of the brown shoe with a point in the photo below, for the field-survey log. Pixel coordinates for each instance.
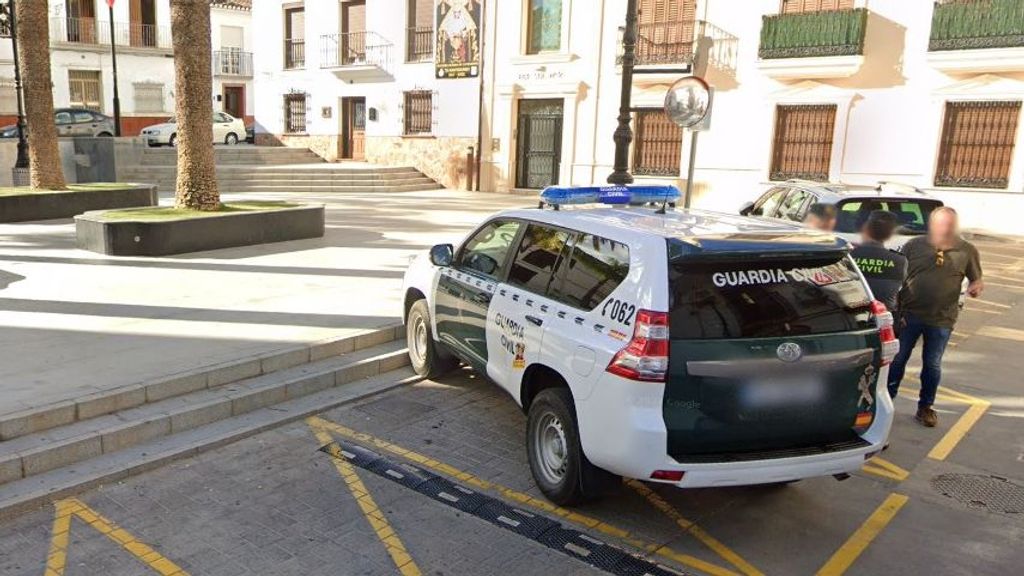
(927, 417)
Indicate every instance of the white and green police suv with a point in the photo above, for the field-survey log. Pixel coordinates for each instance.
(685, 347)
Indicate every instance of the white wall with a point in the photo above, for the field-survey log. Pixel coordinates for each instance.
(243, 19)
(455, 101)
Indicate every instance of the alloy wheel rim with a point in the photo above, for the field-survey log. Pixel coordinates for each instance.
(419, 339)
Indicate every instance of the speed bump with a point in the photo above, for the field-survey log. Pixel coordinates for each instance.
(536, 527)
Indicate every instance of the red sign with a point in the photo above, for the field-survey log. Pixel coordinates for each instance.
(110, 3)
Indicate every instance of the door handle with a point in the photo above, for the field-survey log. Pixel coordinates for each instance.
(534, 320)
(482, 298)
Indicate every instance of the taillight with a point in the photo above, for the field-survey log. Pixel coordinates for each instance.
(886, 331)
(646, 356)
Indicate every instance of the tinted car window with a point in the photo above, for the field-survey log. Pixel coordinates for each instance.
(83, 116)
(596, 267)
(487, 250)
(769, 202)
(62, 117)
(792, 208)
(766, 298)
(912, 214)
(536, 258)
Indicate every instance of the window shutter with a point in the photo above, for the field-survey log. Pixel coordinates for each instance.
(798, 6)
(658, 146)
(977, 144)
(803, 141)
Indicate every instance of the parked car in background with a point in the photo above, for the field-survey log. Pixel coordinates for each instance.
(250, 134)
(226, 129)
(73, 122)
(790, 201)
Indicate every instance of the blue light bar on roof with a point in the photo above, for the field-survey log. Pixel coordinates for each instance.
(615, 195)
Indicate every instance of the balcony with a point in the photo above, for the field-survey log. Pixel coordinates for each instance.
(813, 44)
(232, 63)
(294, 54)
(419, 44)
(976, 37)
(671, 45)
(90, 32)
(352, 56)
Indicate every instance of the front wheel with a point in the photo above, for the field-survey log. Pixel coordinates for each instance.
(559, 467)
(425, 354)
(231, 139)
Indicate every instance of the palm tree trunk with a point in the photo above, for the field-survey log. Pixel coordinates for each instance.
(193, 106)
(31, 18)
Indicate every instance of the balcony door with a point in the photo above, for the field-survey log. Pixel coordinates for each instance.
(353, 32)
(353, 118)
(81, 21)
(665, 30)
(142, 30)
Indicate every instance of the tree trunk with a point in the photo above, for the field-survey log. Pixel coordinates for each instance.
(32, 20)
(193, 106)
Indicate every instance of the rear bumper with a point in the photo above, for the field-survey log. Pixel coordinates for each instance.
(623, 431)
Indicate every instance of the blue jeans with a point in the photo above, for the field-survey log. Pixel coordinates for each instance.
(935, 340)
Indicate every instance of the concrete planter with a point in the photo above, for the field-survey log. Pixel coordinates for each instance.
(127, 237)
(65, 204)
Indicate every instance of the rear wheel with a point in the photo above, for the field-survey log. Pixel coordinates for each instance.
(173, 140)
(560, 469)
(231, 139)
(425, 354)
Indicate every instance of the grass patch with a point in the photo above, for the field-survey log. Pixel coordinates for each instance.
(165, 213)
(72, 188)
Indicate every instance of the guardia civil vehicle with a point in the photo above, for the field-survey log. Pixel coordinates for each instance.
(685, 347)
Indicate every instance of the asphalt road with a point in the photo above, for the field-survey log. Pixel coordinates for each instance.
(941, 501)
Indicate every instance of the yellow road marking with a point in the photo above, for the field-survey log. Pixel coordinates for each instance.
(56, 559)
(385, 533)
(689, 527)
(988, 303)
(1003, 277)
(1001, 285)
(976, 409)
(855, 545)
(882, 467)
(473, 481)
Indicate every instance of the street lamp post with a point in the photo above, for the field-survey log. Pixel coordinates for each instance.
(113, 59)
(7, 17)
(623, 133)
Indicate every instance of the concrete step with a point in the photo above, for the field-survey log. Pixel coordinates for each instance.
(34, 454)
(327, 177)
(20, 496)
(36, 420)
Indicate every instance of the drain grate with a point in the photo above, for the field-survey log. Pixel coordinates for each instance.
(989, 492)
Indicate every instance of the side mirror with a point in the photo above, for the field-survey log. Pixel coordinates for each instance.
(747, 209)
(442, 255)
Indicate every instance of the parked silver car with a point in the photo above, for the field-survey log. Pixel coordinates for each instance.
(73, 122)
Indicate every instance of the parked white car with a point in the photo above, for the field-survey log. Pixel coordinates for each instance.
(226, 129)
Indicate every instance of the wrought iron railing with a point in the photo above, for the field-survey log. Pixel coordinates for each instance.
(810, 34)
(294, 54)
(978, 24)
(232, 62)
(659, 47)
(93, 31)
(355, 49)
(419, 44)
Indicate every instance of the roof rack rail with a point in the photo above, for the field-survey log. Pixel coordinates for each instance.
(882, 184)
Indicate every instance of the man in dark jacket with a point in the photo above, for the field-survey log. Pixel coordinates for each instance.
(884, 269)
(930, 301)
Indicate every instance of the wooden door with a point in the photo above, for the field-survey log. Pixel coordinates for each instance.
(234, 101)
(355, 128)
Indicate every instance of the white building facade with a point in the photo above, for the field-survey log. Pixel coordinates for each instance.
(355, 80)
(853, 91)
(231, 39)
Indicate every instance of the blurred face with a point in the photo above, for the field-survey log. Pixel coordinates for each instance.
(943, 229)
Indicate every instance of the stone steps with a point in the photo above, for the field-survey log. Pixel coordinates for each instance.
(236, 155)
(33, 454)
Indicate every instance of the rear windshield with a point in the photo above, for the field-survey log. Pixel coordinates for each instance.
(911, 214)
(765, 299)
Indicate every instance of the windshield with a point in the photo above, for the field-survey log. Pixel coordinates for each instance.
(912, 214)
(766, 298)
(171, 120)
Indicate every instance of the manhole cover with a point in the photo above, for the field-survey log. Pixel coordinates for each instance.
(989, 492)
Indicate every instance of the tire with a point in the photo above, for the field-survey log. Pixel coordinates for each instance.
(559, 467)
(427, 357)
(231, 139)
(173, 140)
(104, 135)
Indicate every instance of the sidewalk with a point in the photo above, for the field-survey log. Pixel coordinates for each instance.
(74, 323)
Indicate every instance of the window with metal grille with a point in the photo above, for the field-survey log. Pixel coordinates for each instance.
(803, 141)
(977, 144)
(419, 112)
(543, 26)
(796, 6)
(149, 97)
(658, 145)
(84, 86)
(295, 113)
(294, 38)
